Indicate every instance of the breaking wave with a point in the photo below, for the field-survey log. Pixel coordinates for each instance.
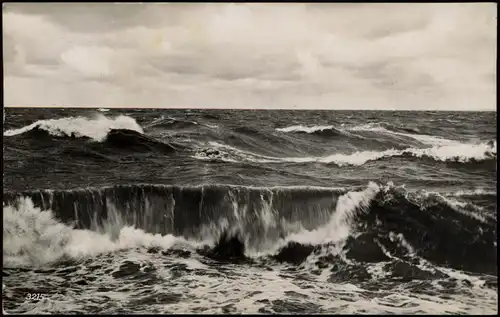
(459, 153)
(34, 237)
(372, 224)
(96, 128)
(475, 192)
(318, 130)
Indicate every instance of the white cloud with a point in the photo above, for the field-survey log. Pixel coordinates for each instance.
(337, 56)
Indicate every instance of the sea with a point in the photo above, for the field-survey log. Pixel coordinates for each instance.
(163, 211)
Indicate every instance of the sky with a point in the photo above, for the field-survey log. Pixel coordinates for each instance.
(394, 56)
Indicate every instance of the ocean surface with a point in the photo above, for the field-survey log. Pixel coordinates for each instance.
(244, 211)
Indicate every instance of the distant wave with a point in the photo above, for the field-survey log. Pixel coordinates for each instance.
(475, 192)
(301, 128)
(382, 128)
(96, 128)
(459, 153)
(370, 127)
(312, 130)
(131, 140)
(172, 123)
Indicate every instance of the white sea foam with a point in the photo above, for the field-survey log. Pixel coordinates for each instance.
(460, 206)
(460, 152)
(301, 128)
(238, 288)
(95, 128)
(32, 237)
(338, 228)
(457, 152)
(473, 192)
(446, 198)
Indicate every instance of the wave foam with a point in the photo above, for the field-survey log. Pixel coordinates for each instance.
(461, 153)
(301, 128)
(33, 237)
(473, 192)
(95, 128)
(338, 227)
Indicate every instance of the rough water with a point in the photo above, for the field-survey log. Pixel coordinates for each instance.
(232, 211)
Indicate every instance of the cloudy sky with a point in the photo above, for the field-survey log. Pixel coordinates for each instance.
(291, 55)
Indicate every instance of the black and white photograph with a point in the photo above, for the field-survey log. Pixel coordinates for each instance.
(249, 158)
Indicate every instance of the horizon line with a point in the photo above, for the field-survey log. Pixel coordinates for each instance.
(244, 108)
